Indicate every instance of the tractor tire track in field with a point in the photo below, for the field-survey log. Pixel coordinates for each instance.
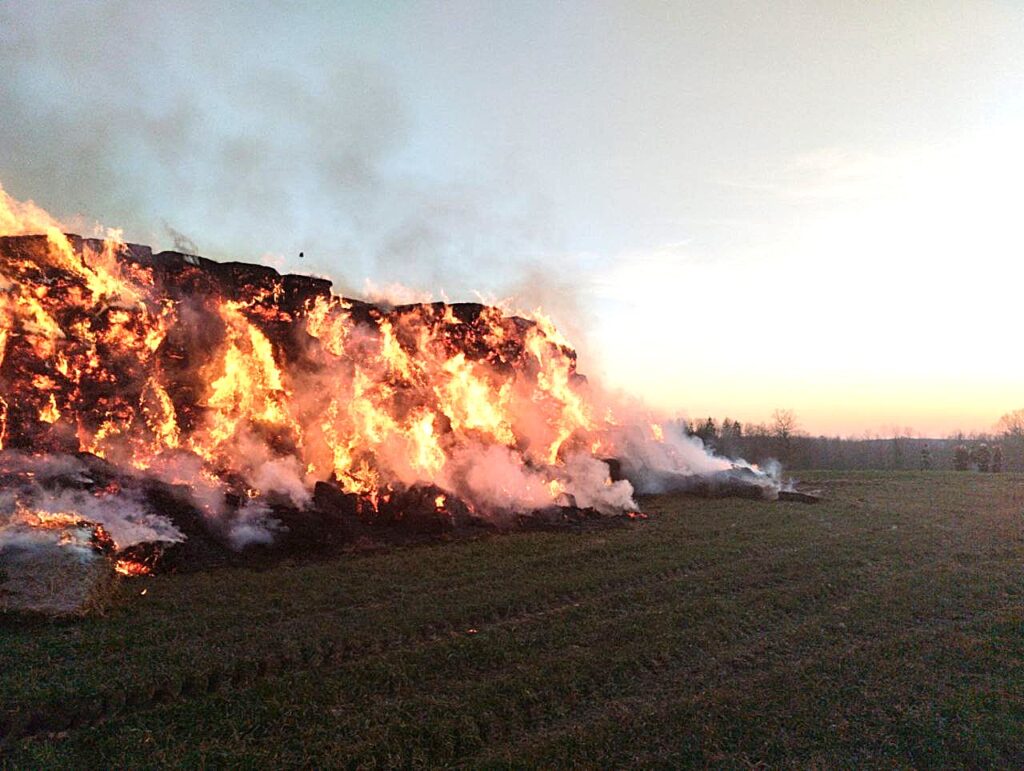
(56, 717)
(53, 718)
(654, 674)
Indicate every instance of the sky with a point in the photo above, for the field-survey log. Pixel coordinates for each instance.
(729, 207)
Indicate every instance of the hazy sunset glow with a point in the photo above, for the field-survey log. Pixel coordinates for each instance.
(887, 304)
(729, 208)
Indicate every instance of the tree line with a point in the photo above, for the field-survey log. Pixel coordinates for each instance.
(782, 439)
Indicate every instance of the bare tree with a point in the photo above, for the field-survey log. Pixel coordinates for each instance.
(784, 425)
(1012, 424)
(784, 428)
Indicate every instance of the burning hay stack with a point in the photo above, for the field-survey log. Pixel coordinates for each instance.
(195, 409)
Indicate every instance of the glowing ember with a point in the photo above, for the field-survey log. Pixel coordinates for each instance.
(127, 567)
(50, 520)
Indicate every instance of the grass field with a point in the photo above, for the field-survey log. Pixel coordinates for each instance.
(884, 625)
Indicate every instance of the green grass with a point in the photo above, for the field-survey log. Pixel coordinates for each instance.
(883, 626)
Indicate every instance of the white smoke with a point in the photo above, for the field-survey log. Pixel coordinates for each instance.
(251, 525)
(588, 482)
(125, 518)
(51, 484)
(677, 461)
(44, 468)
(282, 475)
(494, 477)
(20, 535)
(391, 294)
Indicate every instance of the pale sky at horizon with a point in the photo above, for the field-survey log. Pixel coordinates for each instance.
(731, 207)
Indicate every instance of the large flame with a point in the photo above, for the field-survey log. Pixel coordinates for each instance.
(100, 353)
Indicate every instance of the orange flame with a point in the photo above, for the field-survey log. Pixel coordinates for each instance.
(91, 347)
(128, 567)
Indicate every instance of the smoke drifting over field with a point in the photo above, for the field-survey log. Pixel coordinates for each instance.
(259, 407)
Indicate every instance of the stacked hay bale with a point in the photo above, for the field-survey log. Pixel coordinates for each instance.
(55, 570)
